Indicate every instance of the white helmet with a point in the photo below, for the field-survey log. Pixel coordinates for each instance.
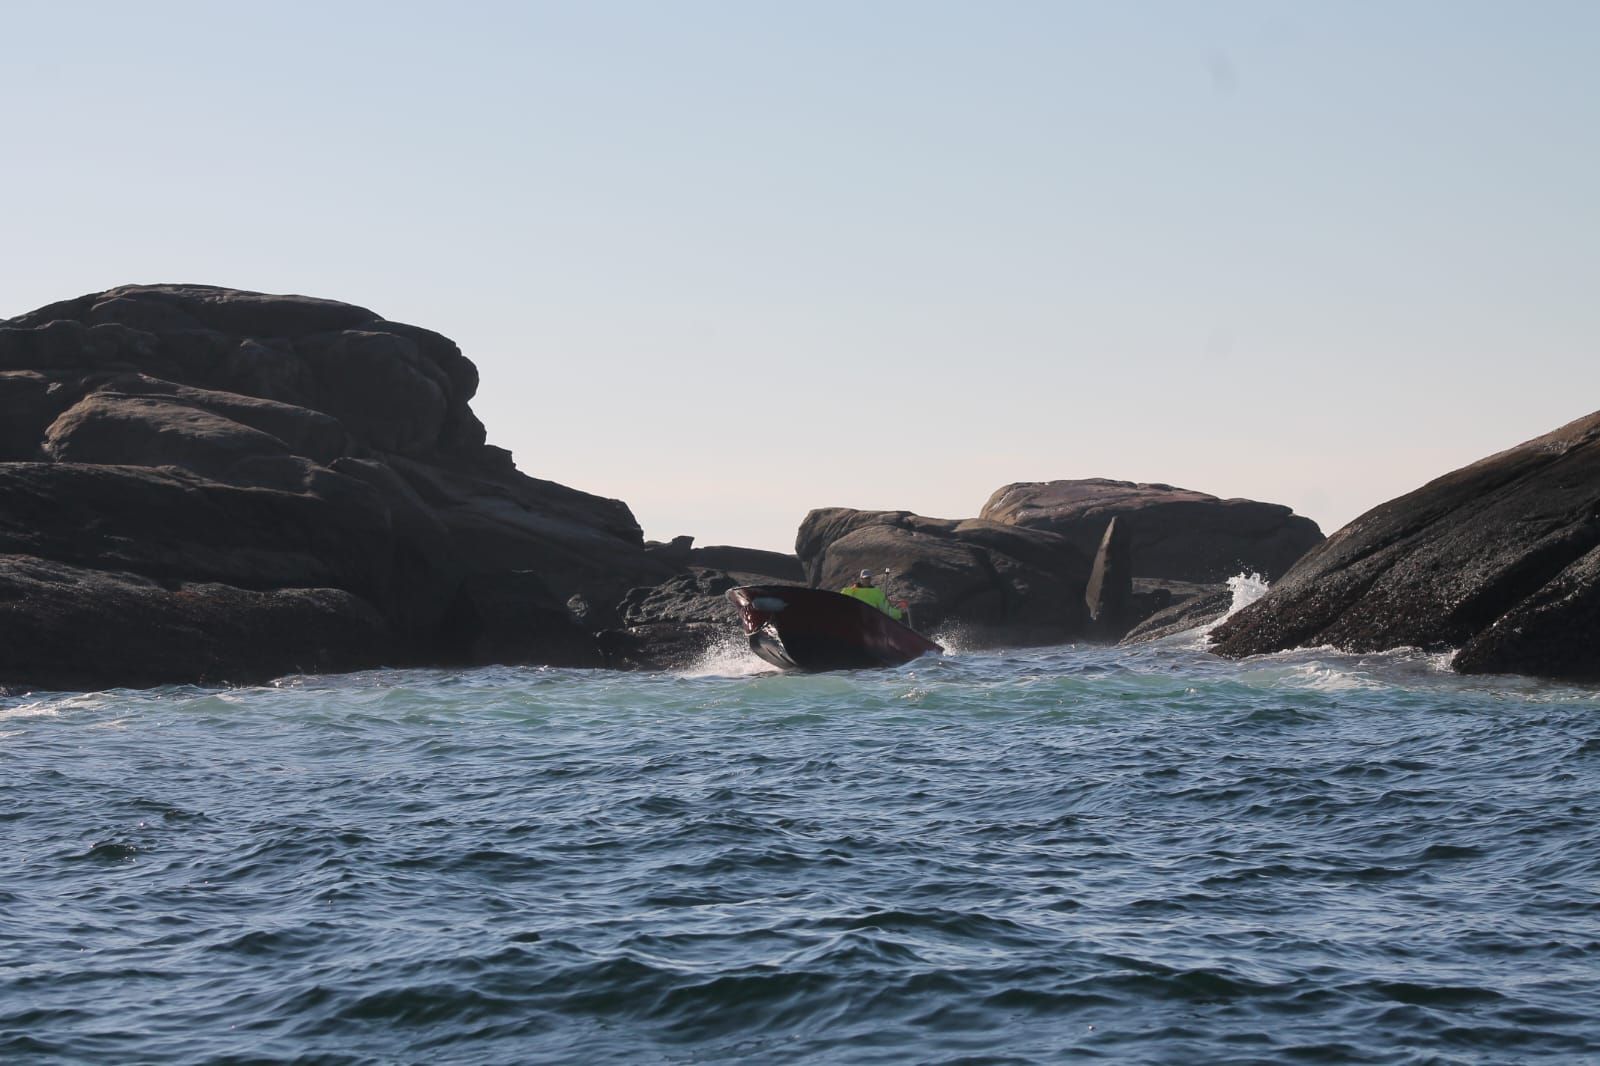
(866, 575)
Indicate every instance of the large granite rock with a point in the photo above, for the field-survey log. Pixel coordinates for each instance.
(220, 486)
(1173, 533)
(1500, 559)
(997, 583)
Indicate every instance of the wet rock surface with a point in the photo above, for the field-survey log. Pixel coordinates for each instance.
(665, 645)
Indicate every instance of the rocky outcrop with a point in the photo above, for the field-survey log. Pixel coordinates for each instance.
(1173, 533)
(699, 595)
(751, 565)
(662, 645)
(1500, 559)
(202, 484)
(997, 583)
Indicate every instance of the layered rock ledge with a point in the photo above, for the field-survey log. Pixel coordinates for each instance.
(200, 484)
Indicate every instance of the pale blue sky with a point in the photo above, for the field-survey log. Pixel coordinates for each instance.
(707, 256)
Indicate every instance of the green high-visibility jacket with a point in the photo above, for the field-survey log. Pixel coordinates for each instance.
(873, 597)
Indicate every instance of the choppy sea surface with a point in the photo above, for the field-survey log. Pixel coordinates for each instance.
(1142, 855)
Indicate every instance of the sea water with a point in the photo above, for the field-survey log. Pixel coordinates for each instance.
(1075, 853)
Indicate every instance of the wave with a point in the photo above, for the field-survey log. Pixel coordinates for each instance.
(728, 656)
(1031, 855)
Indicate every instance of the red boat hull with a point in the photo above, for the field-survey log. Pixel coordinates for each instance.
(796, 628)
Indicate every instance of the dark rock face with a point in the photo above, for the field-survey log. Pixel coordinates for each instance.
(752, 565)
(221, 486)
(1000, 584)
(659, 645)
(68, 627)
(1500, 558)
(697, 596)
(1555, 632)
(675, 552)
(1173, 533)
(498, 618)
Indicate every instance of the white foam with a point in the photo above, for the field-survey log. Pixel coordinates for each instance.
(1247, 589)
(730, 656)
(1328, 669)
(54, 705)
(1332, 677)
(952, 638)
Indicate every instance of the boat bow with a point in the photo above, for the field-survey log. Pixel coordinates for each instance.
(797, 628)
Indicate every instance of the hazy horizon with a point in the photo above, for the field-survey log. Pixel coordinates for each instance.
(730, 262)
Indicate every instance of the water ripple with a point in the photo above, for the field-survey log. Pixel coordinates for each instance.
(1019, 857)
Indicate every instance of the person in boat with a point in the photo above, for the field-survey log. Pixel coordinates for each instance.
(864, 590)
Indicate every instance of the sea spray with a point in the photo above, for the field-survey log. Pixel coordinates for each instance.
(1246, 589)
(728, 656)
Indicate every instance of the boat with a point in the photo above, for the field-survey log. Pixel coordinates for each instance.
(798, 628)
